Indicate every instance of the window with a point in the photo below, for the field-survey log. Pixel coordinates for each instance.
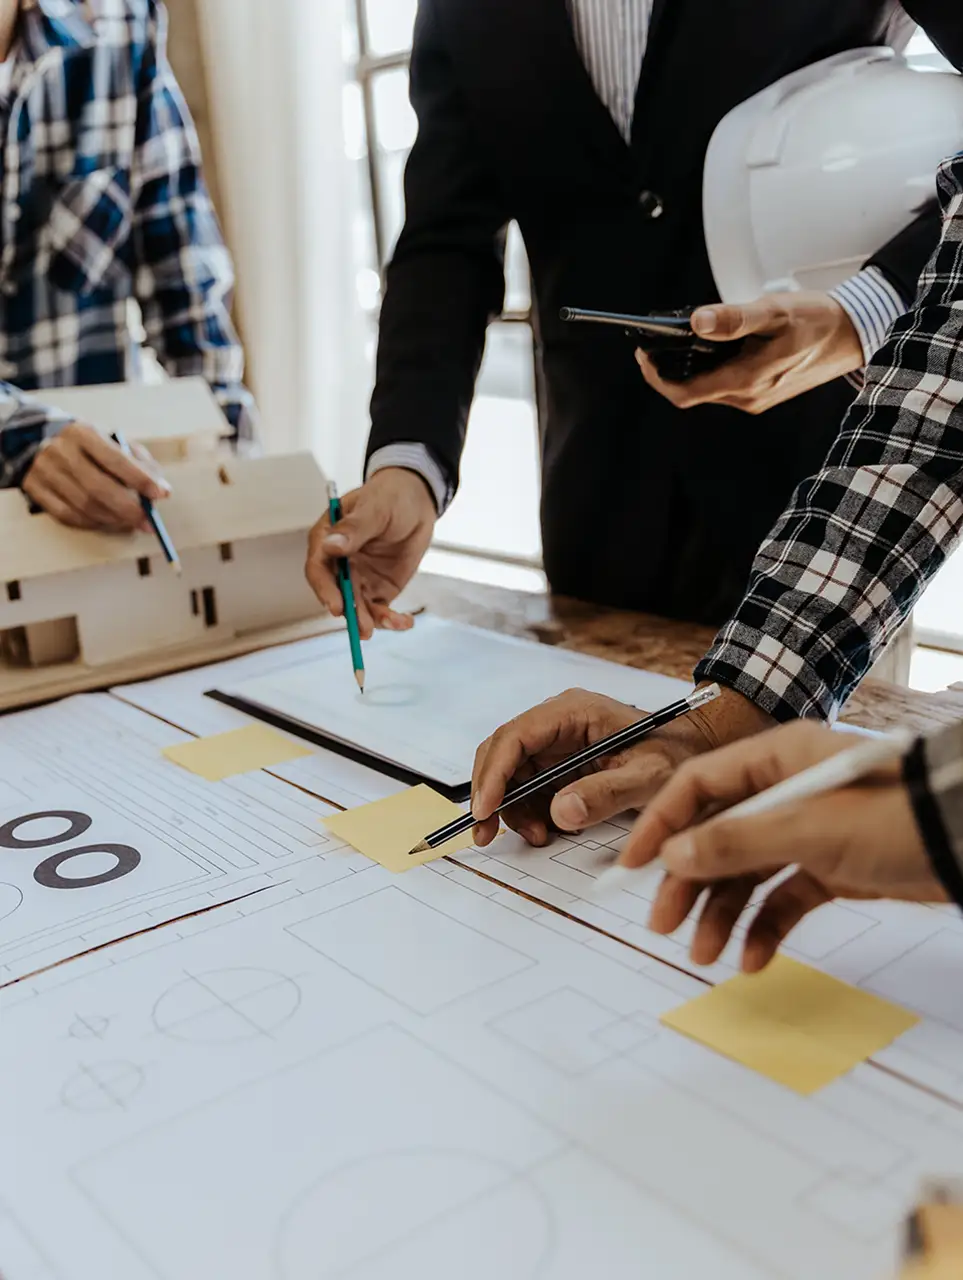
(496, 510)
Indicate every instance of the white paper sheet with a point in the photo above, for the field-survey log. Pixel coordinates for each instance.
(179, 699)
(160, 843)
(409, 1080)
(435, 693)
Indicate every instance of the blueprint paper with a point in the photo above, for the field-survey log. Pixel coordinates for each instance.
(435, 693)
(297, 1090)
(179, 699)
(100, 837)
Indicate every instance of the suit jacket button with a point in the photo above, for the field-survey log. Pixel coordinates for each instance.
(651, 204)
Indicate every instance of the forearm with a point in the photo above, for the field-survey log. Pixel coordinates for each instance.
(861, 540)
(446, 280)
(24, 425)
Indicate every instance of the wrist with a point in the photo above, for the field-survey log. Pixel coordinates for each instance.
(412, 483)
(730, 718)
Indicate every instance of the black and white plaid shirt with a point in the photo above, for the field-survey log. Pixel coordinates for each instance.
(860, 541)
(102, 201)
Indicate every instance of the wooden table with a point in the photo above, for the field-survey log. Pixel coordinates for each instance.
(651, 643)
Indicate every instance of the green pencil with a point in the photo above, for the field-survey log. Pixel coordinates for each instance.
(347, 593)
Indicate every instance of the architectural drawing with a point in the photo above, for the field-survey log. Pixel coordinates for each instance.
(100, 837)
(860, 942)
(226, 1005)
(102, 1086)
(520, 1114)
(89, 1027)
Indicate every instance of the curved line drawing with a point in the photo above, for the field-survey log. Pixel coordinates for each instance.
(106, 1086)
(10, 898)
(224, 1006)
(78, 823)
(306, 1210)
(48, 874)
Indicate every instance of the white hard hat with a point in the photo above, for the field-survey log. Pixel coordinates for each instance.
(811, 177)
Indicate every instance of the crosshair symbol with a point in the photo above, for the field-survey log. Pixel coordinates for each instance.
(227, 1005)
(108, 1086)
(92, 1028)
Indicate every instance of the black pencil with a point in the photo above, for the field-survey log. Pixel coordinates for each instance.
(619, 741)
(150, 512)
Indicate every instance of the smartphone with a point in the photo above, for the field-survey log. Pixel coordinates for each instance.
(677, 351)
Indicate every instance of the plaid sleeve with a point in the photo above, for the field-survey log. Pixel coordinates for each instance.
(933, 772)
(860, 540)
(24, 425)
(183, 274)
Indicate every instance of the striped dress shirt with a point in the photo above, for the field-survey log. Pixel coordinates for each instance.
(612, 36)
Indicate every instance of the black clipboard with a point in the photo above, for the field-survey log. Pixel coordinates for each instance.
(459, 793)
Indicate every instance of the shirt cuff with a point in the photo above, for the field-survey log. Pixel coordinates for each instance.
(769, 674)
(933, 773)
(873, 304)
(417, 458)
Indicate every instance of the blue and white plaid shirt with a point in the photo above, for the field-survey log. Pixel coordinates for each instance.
(102, 200)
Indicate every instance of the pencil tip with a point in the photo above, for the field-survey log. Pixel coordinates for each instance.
(424, 847)
(177, 567)
(359, 676)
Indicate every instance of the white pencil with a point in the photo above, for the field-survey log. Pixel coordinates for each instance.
(837, 771)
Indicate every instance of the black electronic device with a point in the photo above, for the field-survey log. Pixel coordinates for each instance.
(677, 351)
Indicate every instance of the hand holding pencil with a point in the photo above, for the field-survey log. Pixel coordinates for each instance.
(825, 813)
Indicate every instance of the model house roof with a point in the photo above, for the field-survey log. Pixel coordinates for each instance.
(175, 409)
(213, 501)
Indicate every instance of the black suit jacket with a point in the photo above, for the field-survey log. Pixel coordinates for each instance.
(644, 506)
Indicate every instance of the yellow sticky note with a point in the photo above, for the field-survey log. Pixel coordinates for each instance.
(792, 1023)
(240, 751)
(388, 830)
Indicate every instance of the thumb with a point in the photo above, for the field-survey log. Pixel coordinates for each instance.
(726, 323)
(355, 530)
(602, 795)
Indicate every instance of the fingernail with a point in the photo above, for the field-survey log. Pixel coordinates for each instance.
(570, 812)
(163, 485)
(706, 321)
(335, 542)
(478, 811)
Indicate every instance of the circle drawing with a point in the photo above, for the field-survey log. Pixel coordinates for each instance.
(393, 695)
(91, 1027)
(225, 1006)
(48, 873)
(108, 1086)
(78, 823)
(10, 899)
(426, 1212)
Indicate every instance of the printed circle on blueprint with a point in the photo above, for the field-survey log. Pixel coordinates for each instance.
(424, 1212)
(10, 899)
(225, 1006)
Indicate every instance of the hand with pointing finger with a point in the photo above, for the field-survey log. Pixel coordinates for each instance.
(387, 528)
(859, 842)
(85, 481)
(794, 342)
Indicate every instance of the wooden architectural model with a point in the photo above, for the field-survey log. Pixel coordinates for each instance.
(82, 610)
